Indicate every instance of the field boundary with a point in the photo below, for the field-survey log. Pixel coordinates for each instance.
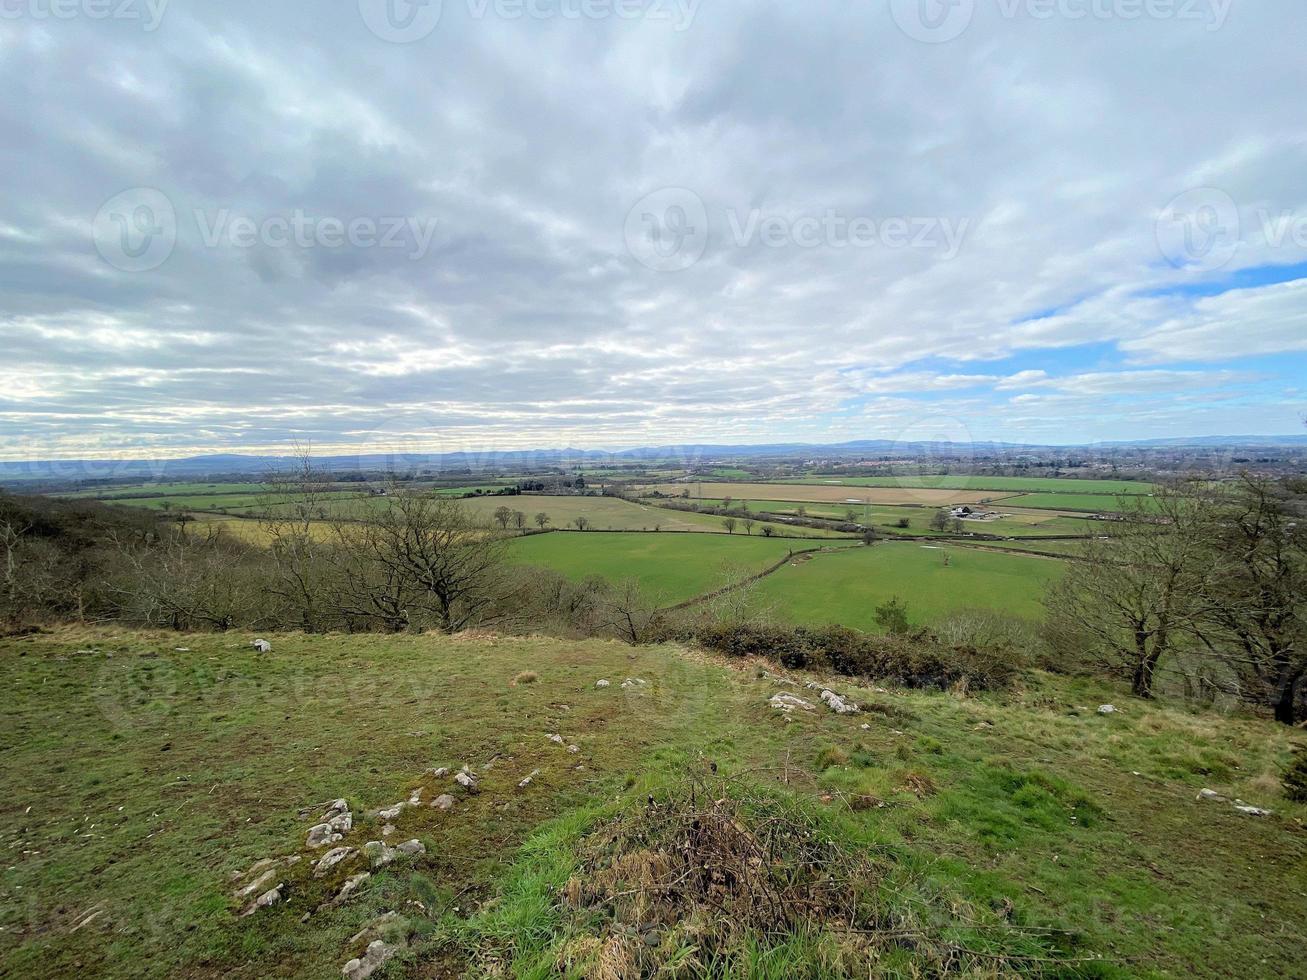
(750, 580)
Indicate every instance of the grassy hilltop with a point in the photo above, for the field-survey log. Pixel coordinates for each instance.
(1013, 832)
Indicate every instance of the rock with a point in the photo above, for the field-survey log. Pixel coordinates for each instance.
(375, 927)
(601, 684)
(263, 646)
(342, 823)
(322, 835)
(441, 773)
(465, 780)
(1212, 795)
(790, 702)
(633, 682)
(387, 830)
(411, 848)
(391, 813)
(331, 859)
(812, 686)
(270, 897)
(1107, 709)
(254, 869)
(1250, 810)
(574, 749)
(415, 798)
(370, 962)
(865, 727)
(337, 806)
(527, 782)
(443, 802)
(351, 885)
(256, 884)
(378, 853)
(556, 739)
(838, 704)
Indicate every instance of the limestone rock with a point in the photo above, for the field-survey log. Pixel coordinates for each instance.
(322, 835)
(556, 739)
(378, 853)
(271, 897)
(601, 684)
(374, 959)
(788, 703)
(351, 885)
(263, 646)
(331, 859)
(1107, 709)
(443, 802)
(256, 884)
(838, 704)
(411, 848)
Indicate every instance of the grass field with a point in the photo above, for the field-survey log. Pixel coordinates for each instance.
(846, 587)
(671, 567)
(142, 769)
(1091, 503)
(807, 493)
(1006, 484)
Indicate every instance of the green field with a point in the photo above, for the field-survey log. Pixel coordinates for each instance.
(142, 770)
(671, 567)
(1090, 503)
(1009, 484)
(845, 588)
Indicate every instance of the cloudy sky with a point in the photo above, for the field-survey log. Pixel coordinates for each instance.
(226, 224)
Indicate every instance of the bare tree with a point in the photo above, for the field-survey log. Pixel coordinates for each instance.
(628, 612)
(581, 523)
(296, 497)
(519, 520)
(503, 515)
(446, 565)
(1130, 601)
(1254, 620)
(542, 520)
(729, 524)
(749, 522)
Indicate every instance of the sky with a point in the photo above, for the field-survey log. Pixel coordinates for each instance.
(466, 225)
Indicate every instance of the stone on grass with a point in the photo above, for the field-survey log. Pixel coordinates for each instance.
(1212, 796)
(411, 848)
(1250, 810)
(574, 749)
(331, 859)
(391, 813)
(322, 835)
(370, 962)
(601, 684)
(790, 702)
(443, 802)
(263, 646)
(351, 885)
(1107, 709)
(441, 773)
(342, 823)
(556, 739)
(271, 897)
(256, 884)
(466, 780)
(838, 704)
(378, 853)
(527, 782)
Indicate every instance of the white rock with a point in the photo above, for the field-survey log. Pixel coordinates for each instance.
(556, 739)
(443, 802)
(351, 885)
(331, 859)
(1107, 709)
(373, 960)
(270, 897)
(256, 884)
(838, 704)
(601, 684)
(263, 646)
(391, 813)
(337, 806)
(465, 780)
(378, 853)
(411, 848)
(790, 702)
(415, 797)
(574, 749)
(387, 830)
(1212, 795)
(441, 773)
(342, 822)
(865, 727)
(322, 835)
(527, 782)
(1252, 811)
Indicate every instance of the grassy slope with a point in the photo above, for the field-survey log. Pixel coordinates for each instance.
(140, 780)
(846, 587)
(672, 567)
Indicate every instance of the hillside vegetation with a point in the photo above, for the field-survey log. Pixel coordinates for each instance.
(1018, 832)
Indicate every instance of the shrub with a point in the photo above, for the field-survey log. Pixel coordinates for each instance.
(1295, 778)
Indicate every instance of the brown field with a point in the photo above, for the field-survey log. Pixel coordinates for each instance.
(803, 493)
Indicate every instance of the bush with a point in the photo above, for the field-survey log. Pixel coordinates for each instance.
(1295, 778)
(921, 661)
